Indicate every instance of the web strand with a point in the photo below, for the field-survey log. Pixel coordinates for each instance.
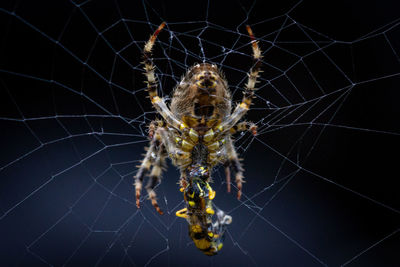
(73, 137)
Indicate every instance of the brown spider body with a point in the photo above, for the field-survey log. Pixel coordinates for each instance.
(202, 95)
(201, 101)
(195, 134)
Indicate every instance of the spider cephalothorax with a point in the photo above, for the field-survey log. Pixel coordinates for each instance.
(195, 134)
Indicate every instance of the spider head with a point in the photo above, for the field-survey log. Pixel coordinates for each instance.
(206, 76)
(206, 80)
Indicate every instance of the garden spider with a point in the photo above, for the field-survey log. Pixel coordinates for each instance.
(195, 134)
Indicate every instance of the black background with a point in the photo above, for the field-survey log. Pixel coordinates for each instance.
(65, 180)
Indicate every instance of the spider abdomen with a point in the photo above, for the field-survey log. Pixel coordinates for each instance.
(202, 93)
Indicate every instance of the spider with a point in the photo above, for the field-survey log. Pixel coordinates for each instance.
(195, 133)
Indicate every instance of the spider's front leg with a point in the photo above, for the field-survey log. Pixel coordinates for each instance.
(248, 93)
(158, 102)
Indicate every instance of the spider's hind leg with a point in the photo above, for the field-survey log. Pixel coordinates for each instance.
(154, 160)
(144, 168)
(233, 165)
(155, 177)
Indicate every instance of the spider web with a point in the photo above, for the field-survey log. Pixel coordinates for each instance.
(320, 176)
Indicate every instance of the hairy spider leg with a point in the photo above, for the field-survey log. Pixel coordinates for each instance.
(233, 165)
(144, 168)
(160, 146)
(248, 93)
(155, 176)
(240, 127)
(158, 103)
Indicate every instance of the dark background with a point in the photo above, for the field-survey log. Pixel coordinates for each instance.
(321, 178)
